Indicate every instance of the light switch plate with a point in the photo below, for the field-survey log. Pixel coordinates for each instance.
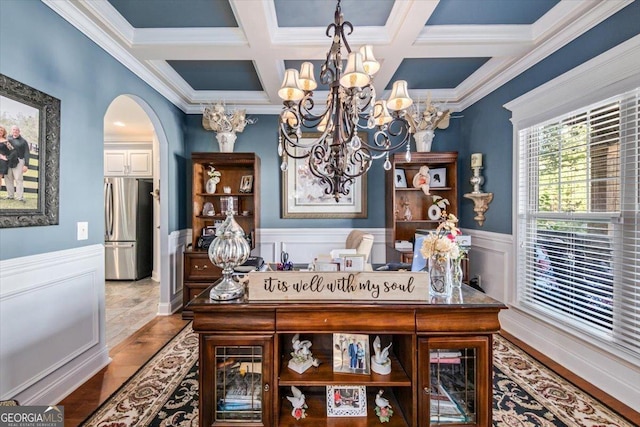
(83, 230)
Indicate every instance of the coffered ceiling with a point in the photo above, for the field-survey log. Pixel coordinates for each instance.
(196, 52)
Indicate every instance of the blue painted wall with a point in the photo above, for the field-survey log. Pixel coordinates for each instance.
(486, 127)
(55, 58)
(262, 138)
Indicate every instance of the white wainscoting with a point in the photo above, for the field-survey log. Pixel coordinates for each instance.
(304, 244)
(493, 258)
(171, 292)
(52, 335)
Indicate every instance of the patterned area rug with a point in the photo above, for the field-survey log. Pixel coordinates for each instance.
(525, 393)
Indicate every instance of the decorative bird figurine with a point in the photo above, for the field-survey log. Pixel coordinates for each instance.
(298, 403)
(383, 408)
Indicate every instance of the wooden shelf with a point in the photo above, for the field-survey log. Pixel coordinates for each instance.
(324, 375)
(397, 199)
(317, 413)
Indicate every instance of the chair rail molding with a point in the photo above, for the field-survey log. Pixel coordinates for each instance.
(304, 244)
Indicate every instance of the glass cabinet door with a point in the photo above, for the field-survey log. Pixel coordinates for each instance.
(454, 381)
(235, 388)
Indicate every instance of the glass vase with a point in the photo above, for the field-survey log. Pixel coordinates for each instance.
(457, 272)
(440, 275)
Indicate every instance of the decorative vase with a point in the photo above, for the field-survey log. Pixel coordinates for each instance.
(423, 139)
(440, 277)
(226, 141)
(229, 249)
(457, 272)
(210, 185)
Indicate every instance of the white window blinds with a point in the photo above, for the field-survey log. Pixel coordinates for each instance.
(579, 220)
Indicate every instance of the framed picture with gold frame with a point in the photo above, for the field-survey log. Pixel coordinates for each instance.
(303, 194)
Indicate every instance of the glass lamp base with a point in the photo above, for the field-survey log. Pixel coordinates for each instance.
(227, 289)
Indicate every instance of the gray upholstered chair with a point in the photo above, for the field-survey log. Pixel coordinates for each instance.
(362, 242)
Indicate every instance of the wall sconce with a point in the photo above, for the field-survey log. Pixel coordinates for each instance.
(480, 200)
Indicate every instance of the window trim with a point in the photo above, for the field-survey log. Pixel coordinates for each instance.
(605, 76)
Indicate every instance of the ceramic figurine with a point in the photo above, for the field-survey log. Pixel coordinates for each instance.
(380, 361)
(383, 408)
(421, 180)
(298, 403)
(301, 357)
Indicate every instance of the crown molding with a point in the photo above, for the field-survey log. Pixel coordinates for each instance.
(189, 36)
(71, 14)
(614, 71)
(585, 16)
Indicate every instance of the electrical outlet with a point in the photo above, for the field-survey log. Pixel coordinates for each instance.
(83, 230)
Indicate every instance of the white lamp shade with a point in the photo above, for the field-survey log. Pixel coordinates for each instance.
(354, 74)
(371, 66)
(307, 80)
(399, 99)
(381, 114)
(290, 90)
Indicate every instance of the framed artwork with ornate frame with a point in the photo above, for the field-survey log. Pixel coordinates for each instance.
(303, 195)
(37, 115)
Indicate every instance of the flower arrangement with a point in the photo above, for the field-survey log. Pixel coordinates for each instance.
(442, 240)
(214, 175)
(215, 118)
(430, 118)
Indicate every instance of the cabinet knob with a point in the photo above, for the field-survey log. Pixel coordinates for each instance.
(266, 387)
(426, 390)
(200, 267)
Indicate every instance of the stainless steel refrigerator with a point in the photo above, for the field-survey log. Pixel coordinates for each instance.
(128, 238)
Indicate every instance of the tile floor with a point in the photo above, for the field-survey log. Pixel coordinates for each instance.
(130, 306)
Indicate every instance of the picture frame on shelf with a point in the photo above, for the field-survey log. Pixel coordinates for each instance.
(209, 230)
(400, 179)
(303, 194)
(351, 353)
(352, 262)
(37, 115)
(346, 401)
(246, 184)
(438, 177)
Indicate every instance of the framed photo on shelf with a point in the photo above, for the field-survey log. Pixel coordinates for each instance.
(400, 179)
(346, 401)
(303, 194)
(352, 262)
(209, 230)
(351, 353)
(246, 184)
(438, 177)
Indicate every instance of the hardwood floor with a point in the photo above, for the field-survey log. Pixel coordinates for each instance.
(133, 352)
(127, 357)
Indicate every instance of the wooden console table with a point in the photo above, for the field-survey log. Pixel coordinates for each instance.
(441, 358)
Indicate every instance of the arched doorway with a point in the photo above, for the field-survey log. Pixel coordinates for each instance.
(133, 136)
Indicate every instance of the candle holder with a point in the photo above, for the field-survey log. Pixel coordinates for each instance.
(228, 250)
(480, 200)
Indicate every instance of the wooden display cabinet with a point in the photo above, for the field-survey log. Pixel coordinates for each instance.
(398, 199)
(199, 272)
(257, 336)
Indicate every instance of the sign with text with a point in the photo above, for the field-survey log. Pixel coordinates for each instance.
(337, 286)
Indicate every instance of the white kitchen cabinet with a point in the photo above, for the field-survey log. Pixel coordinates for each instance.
(121, 162)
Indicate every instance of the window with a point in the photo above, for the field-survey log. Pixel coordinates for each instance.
(579, 220)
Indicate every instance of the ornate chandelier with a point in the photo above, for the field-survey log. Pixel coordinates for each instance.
(339, 155)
